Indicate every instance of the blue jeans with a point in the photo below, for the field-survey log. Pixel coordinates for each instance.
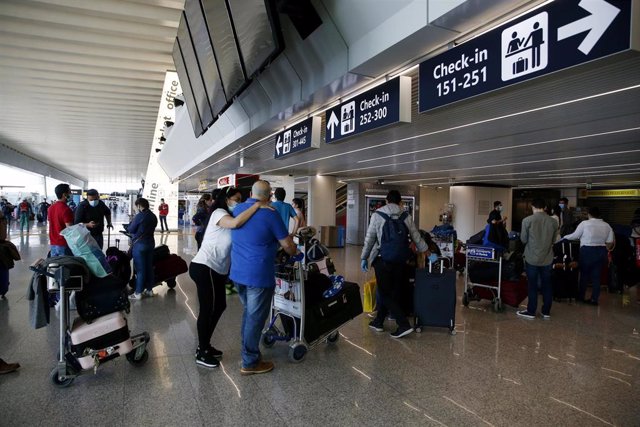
(143, 263)
(59, 250)
(24, 221)
(257, 303)
(540, 274)
(592, 259)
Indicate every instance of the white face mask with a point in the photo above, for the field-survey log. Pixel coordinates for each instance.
(93, 203)
(499, 208)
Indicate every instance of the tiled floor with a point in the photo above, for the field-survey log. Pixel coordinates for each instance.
(580, 368)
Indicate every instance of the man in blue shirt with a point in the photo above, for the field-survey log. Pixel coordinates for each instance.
(285, 210)
(253, 272)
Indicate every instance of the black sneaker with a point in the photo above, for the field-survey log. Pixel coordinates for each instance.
(214, 351)
(376, 326)
(207, 359)
(401, 332)
(526, 314)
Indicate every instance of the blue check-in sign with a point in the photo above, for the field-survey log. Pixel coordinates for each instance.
(481, 252)
(556, 36)
(299, 137)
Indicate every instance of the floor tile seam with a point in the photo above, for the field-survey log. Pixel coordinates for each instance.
(193, 390)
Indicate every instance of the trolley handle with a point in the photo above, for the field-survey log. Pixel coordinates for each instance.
(38, 268)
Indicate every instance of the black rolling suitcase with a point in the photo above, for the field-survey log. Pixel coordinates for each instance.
(565, 275)
(102, 296)
(331, 313)
(435, 297)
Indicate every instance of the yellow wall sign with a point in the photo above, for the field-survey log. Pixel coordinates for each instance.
(624, 192)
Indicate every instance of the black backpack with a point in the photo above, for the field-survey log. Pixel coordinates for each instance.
(394, 246)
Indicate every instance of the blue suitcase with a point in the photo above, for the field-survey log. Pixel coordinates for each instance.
(435, 297)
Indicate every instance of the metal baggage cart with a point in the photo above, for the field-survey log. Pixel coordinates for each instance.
(288, 305)
(482, 254)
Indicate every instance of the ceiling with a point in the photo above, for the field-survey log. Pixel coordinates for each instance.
(82, 80)
(577, 126)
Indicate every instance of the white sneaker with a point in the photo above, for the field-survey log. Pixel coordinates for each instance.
(148, 293)
(135, 296)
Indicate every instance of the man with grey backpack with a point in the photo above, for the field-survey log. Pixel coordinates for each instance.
(387, 249)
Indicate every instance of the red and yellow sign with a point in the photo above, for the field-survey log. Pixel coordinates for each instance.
(623, 192)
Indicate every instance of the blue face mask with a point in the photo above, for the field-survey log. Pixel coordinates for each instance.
(561, 205)
(232, 207)
(93, 203)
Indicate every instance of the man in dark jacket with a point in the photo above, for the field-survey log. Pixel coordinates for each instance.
(91, 212)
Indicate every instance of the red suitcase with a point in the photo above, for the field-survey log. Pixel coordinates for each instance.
(166, 269)
(511, 292)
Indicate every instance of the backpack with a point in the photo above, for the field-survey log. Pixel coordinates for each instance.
(394, 245)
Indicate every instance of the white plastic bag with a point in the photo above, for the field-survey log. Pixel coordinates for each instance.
(83, 245)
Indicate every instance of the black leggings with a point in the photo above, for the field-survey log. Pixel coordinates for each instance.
(212, 298)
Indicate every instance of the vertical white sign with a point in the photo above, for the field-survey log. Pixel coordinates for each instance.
(157, 183)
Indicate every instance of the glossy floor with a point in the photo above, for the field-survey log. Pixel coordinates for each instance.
(580, 368)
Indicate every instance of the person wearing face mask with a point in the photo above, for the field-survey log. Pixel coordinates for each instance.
(201, 218)
(141, 229)
(495, 216)
(60, 217)
(566, 219)
(92, 212)
(210, 267)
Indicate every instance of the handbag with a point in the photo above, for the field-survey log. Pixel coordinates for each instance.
(369, 304)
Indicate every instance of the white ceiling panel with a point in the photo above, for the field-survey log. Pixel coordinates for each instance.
(83, 80)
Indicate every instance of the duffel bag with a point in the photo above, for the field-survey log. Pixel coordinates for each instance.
(102, 296)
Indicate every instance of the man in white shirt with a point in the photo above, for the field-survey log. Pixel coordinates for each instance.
(596, 237)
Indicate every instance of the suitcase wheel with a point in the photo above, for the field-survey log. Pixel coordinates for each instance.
(465, 299)
(297, 352)
(171, 283)
(332, 338)
(498, 307)
(418, 329)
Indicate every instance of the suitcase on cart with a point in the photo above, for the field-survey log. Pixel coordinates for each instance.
(104, 332)
(435, 297)
(166, 269)
(331, 313)
(102, 296)
(161, 252)
(512, 292)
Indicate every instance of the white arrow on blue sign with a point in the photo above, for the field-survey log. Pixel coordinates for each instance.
(553, 37)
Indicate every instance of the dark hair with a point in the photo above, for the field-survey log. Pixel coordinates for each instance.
(61, 189)
(564, 199)
(299, 203)
(497, 203)
(222, 196)
(594, 212)
(162, 200)
(280, 194)
(393, 196)
(93, 192)
(538, 203)
(142, 202)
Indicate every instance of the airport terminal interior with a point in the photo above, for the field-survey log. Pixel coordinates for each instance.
(470, 111)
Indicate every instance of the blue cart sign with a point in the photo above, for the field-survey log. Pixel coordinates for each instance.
(383, 105)
(481, 252)
(556, 36)
(299, 137)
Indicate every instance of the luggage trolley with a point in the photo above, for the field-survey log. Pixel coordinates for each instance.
(288, 304)
(482, 254)
(71, 363)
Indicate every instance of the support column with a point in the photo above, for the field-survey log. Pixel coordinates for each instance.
(472, 206)
(322, 201)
